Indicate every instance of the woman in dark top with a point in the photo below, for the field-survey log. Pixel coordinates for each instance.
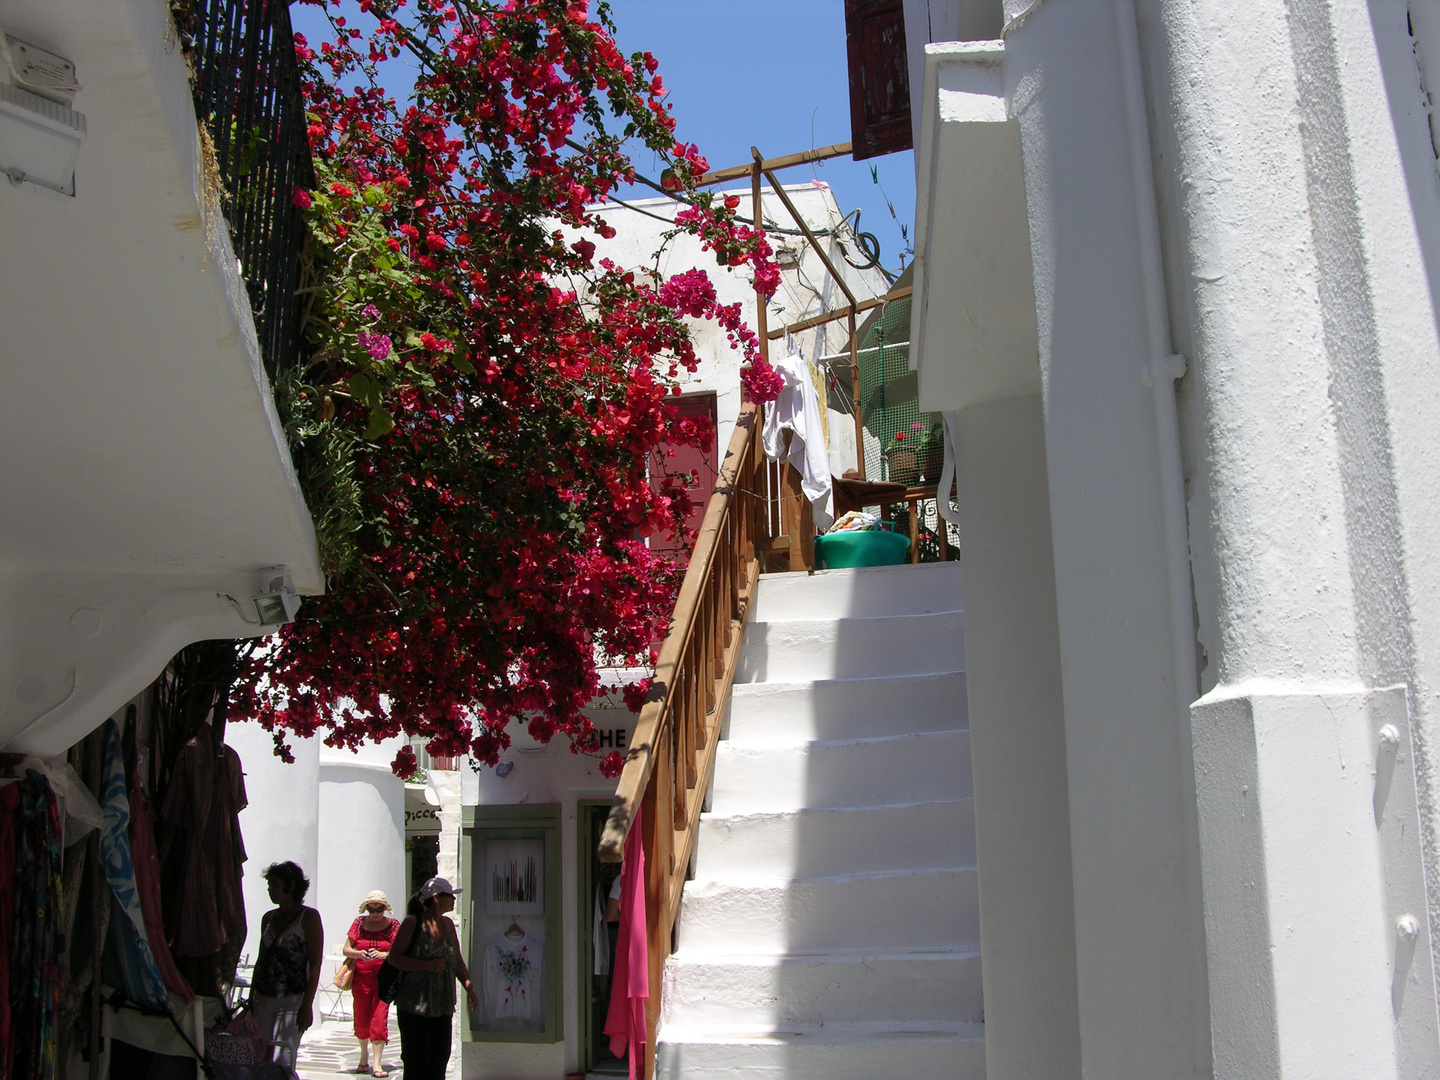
(427, 952)
(287, 971)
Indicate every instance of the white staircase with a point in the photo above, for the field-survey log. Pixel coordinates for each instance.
(832, 929)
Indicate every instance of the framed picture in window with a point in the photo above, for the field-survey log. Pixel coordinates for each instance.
(513, 881)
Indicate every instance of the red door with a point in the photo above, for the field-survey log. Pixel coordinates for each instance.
(700, 467)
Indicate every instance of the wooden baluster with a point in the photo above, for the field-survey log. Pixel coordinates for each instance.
(735, 550)
(721, 612)
(792, 498)
(681, 732)
(697, 697)
(706, 635)
(706, 630)
(914, 531)
(672, 763)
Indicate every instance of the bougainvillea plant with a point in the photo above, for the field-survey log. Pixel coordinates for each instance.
(473, 422)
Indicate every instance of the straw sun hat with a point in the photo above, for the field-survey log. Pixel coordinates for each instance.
(374, 896)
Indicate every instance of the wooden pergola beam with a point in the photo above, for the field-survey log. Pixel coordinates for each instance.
(840, 313)
(719, 176)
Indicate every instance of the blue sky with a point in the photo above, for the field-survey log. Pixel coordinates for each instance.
(767, 73)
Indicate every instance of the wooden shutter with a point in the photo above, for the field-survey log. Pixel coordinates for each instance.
(879, 77)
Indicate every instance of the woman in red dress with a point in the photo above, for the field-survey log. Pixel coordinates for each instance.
(368, 943)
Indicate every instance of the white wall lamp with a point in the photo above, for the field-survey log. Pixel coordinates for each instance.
(277, 602)
(40, 135)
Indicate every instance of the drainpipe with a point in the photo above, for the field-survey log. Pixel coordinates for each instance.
(1164, 367)
(1161, 374)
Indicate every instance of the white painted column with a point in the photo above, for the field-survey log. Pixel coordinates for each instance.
(1017, 744)
(1318, 941)
(1139, 943)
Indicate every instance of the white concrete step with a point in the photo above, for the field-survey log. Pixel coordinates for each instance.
(767, 993)
(928, 909)
(880, 590)
(887, 771)
(872, 1052)
(787, 713)
(851, 648)
(771, 848)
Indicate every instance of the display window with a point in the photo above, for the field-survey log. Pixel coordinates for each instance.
(513, 922)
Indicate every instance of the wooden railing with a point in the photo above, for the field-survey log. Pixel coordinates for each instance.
(672, 753)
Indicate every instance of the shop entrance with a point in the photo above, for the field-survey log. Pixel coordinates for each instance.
(424, 859)
(597, 943)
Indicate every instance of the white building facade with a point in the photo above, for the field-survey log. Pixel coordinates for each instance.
(1175, 284)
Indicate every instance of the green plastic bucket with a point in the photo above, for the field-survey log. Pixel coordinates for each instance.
(837, 551)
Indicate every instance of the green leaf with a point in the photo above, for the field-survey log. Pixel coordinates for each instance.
(380, 423)
(362, 389)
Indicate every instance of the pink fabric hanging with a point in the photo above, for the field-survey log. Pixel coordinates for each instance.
(630, 987)
(147, 884)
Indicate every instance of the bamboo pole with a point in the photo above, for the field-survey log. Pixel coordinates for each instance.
(855, 401)
(805, 228)
(840, 313)
(719, 176)
(762, 302)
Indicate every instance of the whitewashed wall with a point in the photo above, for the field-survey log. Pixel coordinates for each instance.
(282, 821)
(362, 837)
(341, 816)
(806, 290)
(1252, 874)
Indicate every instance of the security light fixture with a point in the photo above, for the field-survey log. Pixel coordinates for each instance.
(40, 135)
(277, 602)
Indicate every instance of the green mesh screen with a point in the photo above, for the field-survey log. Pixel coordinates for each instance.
(888, 389)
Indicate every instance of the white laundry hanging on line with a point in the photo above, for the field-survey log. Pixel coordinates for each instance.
(797, 410)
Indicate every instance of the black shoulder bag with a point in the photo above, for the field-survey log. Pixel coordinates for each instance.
(387, 980)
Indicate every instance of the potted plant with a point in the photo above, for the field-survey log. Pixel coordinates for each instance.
(931, 451)
(904, 468)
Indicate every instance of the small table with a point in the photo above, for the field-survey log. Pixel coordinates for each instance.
(853, 494)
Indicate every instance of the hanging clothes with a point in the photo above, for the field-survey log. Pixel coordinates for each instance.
(203, 871)
(9, 816)
(192, 921)
(630, 989)
(510, 977)
(37, 938)
(599, 937)
(229, 848)
(147, 882)
(797, 410)
(138, 971)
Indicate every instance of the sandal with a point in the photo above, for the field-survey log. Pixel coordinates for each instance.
(379, 1072)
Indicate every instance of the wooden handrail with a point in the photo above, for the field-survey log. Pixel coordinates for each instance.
(665, 688)
(672, 753)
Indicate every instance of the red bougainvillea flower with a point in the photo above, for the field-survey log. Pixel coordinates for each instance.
(480, 403)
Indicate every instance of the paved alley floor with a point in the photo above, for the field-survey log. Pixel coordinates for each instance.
(329, 1051)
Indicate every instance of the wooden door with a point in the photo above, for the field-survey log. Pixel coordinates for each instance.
(702, 469)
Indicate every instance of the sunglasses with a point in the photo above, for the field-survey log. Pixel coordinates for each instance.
(375, 910)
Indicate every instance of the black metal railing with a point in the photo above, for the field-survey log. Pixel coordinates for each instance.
(247, 94)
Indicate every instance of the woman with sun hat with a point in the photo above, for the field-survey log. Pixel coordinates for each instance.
(367, 944)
